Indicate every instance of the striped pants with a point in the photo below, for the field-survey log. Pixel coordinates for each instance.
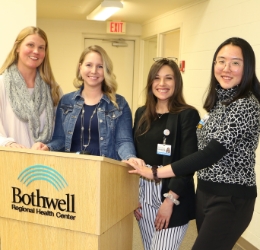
(165, 239)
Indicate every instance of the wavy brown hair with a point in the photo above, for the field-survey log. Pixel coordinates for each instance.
(45, 67)
(176, 102)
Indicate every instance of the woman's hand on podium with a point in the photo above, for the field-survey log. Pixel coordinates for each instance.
(135, 161)
(40, 146)
(14, 145)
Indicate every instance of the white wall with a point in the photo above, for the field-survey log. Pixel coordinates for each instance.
(14, 16)
(203, 27)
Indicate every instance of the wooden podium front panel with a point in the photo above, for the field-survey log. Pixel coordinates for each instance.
(29, 236)
(20, 235)
(101, 190)
(81, 176)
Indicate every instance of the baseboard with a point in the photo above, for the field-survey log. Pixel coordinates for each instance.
(244, 244)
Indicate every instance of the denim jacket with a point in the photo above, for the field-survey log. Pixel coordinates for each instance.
(114, 125)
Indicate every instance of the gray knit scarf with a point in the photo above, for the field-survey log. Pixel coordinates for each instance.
(28, 107)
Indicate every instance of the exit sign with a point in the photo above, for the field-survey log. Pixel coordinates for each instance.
(116, 27)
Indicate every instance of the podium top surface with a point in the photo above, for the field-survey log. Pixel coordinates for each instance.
(64, 155)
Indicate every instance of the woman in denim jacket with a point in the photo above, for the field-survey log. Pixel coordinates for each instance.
(93, 120)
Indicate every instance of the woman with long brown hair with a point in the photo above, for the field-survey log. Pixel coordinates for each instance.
(165, 131)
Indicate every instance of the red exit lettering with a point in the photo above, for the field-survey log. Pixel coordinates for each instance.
(116, 27)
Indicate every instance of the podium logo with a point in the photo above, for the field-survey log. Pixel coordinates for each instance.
(43, 173)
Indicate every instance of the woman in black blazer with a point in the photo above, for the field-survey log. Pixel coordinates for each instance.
(165, 131)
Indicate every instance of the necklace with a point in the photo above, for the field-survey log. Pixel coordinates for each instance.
(159, 115)
(84, 146)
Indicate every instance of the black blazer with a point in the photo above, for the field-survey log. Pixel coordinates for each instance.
(183, 140)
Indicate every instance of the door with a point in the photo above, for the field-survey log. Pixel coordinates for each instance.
(123, 65)
(171, 44)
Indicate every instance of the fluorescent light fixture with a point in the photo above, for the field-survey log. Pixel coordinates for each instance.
(105, 10)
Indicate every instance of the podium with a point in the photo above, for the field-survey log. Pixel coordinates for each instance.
(54, 201)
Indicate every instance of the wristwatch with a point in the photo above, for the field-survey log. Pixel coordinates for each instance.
(175, 201)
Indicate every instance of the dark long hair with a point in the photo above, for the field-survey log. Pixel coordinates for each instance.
(176, 102)
(249, 81)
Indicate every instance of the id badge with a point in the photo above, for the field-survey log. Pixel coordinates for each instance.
(163, 149)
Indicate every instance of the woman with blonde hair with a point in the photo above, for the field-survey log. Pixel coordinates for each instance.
(94, 119)
(28, 91)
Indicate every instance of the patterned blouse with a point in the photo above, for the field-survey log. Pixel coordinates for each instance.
(236, 126)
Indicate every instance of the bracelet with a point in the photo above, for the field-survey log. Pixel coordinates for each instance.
(175, 201)
(155, 177)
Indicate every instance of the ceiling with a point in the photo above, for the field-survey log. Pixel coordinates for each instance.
(134, 11)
